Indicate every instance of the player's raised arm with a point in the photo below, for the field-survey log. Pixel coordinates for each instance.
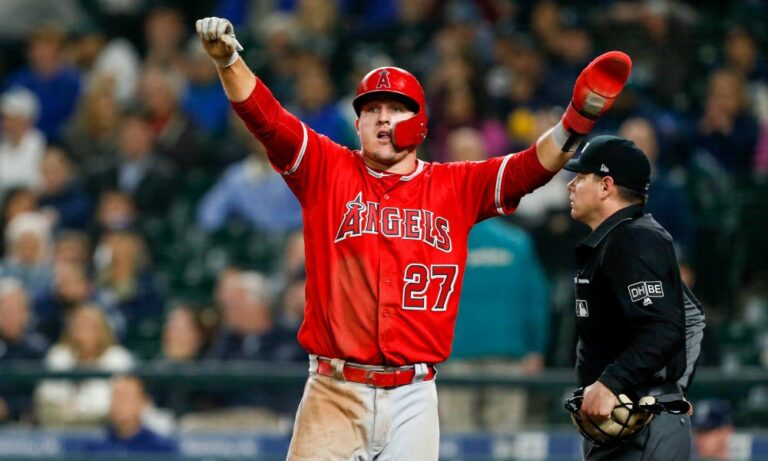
(218, 38)
(285, 138)
(593, 94)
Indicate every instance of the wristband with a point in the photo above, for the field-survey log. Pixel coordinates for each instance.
(567, 141)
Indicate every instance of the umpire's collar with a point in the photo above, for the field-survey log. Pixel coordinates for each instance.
(625, 214)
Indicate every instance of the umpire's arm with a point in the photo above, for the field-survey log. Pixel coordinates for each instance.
(644, 277)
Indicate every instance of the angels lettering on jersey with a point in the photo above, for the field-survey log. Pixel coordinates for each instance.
(365, 217)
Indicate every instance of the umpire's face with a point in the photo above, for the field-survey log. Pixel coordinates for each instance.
(586, 192)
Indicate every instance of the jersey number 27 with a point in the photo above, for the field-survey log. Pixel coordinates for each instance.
(418, 278)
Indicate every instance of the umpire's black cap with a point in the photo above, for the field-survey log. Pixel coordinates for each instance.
(616, 157)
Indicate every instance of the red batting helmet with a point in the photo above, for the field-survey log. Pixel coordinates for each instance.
(402, 84)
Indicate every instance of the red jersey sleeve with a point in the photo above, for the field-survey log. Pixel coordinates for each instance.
(495, 186)
(295, 151)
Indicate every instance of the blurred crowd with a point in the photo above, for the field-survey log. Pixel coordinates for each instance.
(140, 221)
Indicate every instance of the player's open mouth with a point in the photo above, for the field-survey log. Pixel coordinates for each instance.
(384, 134)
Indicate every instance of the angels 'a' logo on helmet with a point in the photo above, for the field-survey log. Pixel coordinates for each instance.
(383, 81)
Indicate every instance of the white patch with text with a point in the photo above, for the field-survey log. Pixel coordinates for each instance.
(645, 290)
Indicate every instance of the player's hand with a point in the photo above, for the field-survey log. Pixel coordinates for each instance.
(598, 402)
(595, 91)
(218, 38)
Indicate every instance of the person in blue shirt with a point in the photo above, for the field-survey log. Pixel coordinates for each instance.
(127, 432)
(250, 190)
(502, 326)
(50, 78)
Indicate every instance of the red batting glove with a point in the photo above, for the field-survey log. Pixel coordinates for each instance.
(595, 90)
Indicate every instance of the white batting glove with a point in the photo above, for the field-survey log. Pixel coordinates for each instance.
(218, 38)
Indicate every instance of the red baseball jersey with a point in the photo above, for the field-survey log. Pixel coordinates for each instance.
(385, 253)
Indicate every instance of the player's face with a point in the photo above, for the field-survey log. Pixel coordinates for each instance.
(585, 197)
(374, 126)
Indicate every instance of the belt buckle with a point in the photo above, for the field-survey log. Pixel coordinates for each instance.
(369, 378)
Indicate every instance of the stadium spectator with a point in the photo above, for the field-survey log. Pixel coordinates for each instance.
(62, 197)
(71, 289)
(248, 330)
(17, 342)
(503, 281)
(316, 104)
(137, 170)
(202, 98)
(726, 131)
(461, 106)
(129, 432)
(713, 429)
(280, 34)
(21, 145)
(123, 273)
(115, 211)
(91, 136)
(103, 60)
(87, 342)
(17, 200)
(164, 38)
(50, 78)
(184, 341)
(185, 335)
(275, 211)
(72, 247)
(668, 199)
(28, 252)
(742, 54)
(177, 138)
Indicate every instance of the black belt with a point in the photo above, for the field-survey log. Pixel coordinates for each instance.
(663, 388)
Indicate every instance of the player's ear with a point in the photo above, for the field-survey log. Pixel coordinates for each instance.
(357, 126)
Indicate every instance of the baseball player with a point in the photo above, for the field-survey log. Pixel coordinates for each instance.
(386, 243)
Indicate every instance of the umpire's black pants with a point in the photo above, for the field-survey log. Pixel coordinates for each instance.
(667, 438)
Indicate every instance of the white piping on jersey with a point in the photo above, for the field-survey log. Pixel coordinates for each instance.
(380, 174)
(419, 167)
(301, 152)
(499, 176)
(376, 174)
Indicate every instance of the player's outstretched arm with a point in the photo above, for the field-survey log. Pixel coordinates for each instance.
(598, 86)
(217, 36)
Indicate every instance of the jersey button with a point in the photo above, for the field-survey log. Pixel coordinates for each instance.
(386, 280)
(386, 196)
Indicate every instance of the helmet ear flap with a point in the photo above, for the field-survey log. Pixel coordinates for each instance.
(410, 132)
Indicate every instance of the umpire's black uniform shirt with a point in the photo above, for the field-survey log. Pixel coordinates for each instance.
(630, 314)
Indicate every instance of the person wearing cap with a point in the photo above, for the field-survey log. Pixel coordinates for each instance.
(713, 428)
(21, 144)
(639, 327)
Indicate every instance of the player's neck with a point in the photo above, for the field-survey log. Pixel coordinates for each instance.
(404, 167)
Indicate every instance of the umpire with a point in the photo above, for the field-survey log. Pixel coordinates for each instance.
(639, 326)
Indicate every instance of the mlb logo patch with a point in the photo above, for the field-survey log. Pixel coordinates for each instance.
(582, 310)
(645, 290)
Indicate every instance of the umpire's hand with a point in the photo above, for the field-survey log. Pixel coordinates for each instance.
(218, 38)
(598, 402)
